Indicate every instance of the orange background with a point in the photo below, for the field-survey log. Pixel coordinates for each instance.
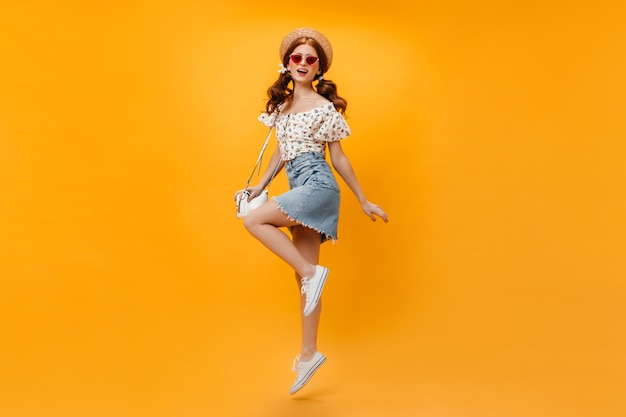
(492, 132)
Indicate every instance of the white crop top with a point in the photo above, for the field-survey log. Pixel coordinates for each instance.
(308, 131)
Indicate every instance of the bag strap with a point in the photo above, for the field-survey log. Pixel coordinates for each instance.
(260, 158)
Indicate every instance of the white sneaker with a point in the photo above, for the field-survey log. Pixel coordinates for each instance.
(305, 370)
(312, 289)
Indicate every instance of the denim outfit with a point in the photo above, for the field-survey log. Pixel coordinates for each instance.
(313, 198)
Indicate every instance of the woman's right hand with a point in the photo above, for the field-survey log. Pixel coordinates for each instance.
(251, 192)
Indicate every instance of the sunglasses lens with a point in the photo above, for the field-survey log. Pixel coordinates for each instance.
(297, 58)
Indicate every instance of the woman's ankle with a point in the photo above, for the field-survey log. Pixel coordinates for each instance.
(308, 272)
(307, 354)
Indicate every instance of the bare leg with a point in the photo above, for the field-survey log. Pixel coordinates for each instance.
(264, 222)
(308, 242)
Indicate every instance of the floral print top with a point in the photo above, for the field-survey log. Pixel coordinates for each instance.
(308, 131)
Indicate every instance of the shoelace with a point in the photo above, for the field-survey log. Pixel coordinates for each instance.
(296, 363)
(305, 287)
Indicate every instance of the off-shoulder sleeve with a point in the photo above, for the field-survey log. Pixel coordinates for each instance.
(332, 128)
(268, 119)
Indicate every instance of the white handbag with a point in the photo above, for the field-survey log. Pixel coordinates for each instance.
(243, 205)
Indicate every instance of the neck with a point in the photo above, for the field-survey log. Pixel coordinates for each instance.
(303, 91)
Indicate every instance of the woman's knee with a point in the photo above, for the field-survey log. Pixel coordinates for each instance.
(254, 219)
(249, 223)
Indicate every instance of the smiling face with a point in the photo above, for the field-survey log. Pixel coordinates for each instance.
(301, 67)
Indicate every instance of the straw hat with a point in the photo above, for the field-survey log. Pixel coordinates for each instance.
(307, 33)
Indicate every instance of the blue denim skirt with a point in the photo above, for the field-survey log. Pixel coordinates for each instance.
(313, 198)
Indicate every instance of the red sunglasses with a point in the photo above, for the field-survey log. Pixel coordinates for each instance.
(309, 59)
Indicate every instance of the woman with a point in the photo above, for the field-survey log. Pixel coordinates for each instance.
(308, 119)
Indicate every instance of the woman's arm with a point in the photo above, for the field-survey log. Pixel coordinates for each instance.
(342, 165)
(272, 168)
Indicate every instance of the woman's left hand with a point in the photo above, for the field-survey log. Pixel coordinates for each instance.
(372, 210)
